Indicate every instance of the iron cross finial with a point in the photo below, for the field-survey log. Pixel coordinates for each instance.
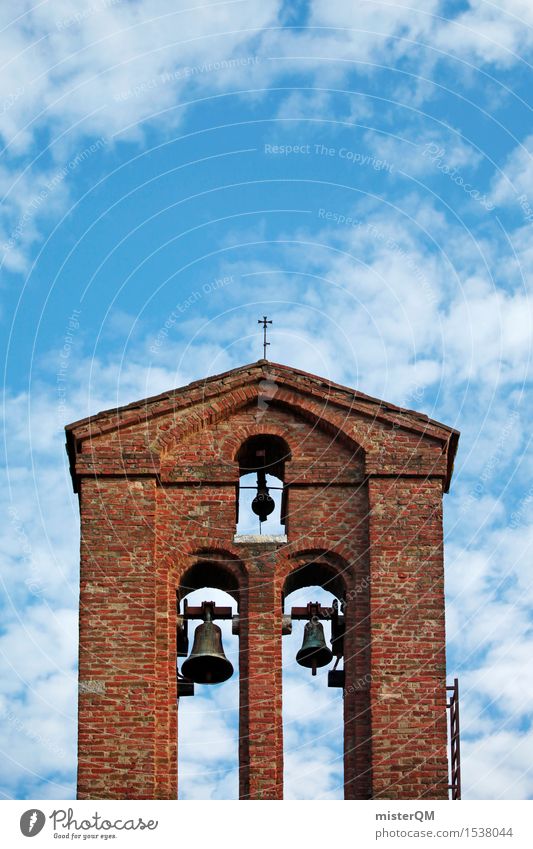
(264, 322)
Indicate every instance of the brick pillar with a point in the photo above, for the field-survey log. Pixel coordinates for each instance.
(408, 692)
(165, 688)
(357, 726)
(116, 710)
(261, 730)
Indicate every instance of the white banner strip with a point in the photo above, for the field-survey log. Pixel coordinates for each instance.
(249, 824)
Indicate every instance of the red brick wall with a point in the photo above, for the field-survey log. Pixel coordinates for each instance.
(152, 507)
(117, 710)
(408, 688)
(261, 729)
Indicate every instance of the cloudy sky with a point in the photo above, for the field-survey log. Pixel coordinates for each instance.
(170, 172)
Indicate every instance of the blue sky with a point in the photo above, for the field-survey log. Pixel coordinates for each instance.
(170, 172)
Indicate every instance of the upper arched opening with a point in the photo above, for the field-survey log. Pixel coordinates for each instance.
(207, 572)
(261, 495)
(316, 572)
(263, 451)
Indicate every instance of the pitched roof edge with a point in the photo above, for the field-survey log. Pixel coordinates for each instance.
(263, 365)
(354, 393)
(143, 402)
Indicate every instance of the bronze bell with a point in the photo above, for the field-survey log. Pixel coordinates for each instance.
(314, 651)
(207, 663)
(263, 504)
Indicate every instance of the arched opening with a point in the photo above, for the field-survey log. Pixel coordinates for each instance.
(262, 498)
(313, 715)
(208, 722)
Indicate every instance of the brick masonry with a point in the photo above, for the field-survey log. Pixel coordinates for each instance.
(157, 485)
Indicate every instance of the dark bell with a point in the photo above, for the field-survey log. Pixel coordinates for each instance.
(207, 663)
(263, 504)
(314, 652)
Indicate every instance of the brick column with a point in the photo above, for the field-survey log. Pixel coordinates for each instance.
(261, 730)
(165, 695)
(357, 726)
(116, 711)
(408, 695)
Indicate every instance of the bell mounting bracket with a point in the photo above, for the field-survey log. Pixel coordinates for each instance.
(184, 686)
(315, 610)
(182, 620)
(201, 612)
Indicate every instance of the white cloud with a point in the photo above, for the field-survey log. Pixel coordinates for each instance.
(378, 31)
(38, 702)
(419, 151)
(313, 774)
(109, 65)
(100, 71)
(107, 68)
(516, 176)
(489, 331)
(490, 33)
(498, 766)
(489, 633)
(104, 64)
(27, 197)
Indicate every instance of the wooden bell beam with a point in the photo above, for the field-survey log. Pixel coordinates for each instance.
(313, 609)
(199, 612)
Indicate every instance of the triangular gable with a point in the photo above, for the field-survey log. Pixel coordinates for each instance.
(246, 384)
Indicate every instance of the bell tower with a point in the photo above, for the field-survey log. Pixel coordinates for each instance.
(357, 487)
